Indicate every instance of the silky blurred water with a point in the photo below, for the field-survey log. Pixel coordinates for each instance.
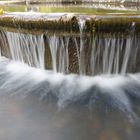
(38, 104)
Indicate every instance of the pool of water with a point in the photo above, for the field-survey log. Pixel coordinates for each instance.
(32, 119)
(36, 104)
(82, 8)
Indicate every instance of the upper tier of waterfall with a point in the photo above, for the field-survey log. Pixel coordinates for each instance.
(95, 55)
(102, 50)
(90, 46)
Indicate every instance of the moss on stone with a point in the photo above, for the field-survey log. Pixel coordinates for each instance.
(124, 24)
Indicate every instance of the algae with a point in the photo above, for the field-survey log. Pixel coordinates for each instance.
(106, 24)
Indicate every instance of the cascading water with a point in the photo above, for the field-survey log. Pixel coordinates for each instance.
(65, 87)
(26, 48)
(106, 55)
(59, 53)
(84, 55)
(56, 104)
(28, 96)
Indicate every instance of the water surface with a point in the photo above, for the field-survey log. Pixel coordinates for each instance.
(77, 8)
(37, 104)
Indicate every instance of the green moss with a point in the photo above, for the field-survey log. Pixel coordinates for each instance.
(70, 25)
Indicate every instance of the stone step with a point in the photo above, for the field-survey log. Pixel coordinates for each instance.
(69, 23)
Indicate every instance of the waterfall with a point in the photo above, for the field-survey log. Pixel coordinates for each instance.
(53, 44)
(67, 89)
(26, 48)
(59, 53)
(82, 68)
(92, 55)
(65, 86)
(113, 53)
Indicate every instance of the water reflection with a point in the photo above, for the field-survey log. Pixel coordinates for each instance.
(95, 8)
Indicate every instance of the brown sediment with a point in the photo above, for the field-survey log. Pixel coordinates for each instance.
(118, 24)
(70, 25)
(100, 23)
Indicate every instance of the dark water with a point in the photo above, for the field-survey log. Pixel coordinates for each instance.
(37, 104)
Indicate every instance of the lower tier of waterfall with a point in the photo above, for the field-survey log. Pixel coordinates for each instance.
(115, 91)
(39, 104)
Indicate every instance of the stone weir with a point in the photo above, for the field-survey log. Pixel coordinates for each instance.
(72, 43)
(68, 23)
(39, 23)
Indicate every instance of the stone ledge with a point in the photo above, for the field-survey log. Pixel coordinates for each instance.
(69, 23)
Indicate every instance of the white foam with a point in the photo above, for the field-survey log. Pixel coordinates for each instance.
(19, 79)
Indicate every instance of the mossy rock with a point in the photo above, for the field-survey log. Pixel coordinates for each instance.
(96, 24)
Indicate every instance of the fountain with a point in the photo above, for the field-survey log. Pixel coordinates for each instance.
(70, 75)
